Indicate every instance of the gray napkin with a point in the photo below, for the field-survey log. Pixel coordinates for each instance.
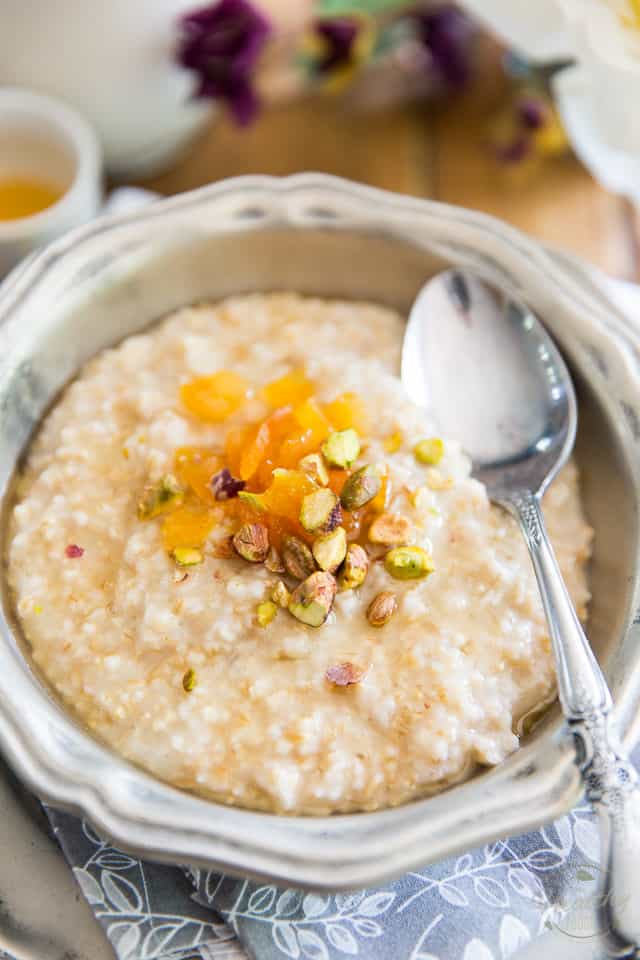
(487, 904)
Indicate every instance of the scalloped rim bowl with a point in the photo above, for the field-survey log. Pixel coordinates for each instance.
(314, 234)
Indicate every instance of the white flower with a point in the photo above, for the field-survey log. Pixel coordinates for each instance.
(598, 96)
(534, 28)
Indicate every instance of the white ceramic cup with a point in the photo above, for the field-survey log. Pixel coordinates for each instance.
(43, 138)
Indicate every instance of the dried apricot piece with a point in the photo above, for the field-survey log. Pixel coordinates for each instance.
(310, 429)
(264, 444)
(309, 416)
(188, 526)
(285, 495)
(337, 479)
(291, 389)
(194, 467)
(281, 422)
(255, 452)
(296, 446)
(215, 397)
(235, 443)
(264, 475)
(348, 412)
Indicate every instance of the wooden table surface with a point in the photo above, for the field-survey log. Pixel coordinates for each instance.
(428, 150)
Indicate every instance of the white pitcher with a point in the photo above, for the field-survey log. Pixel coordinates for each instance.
(114, 62)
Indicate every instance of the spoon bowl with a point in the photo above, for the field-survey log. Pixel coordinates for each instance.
(512, 404)
(493, 379)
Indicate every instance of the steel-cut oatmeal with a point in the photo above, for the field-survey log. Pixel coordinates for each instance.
(251, 566)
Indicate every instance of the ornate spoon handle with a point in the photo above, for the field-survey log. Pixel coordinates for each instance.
(611, 782)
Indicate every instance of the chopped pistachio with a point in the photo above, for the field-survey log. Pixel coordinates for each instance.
(330, 550)
(252, 542)
(273, 563)
(320, 510)
(436, 481)
(382, 608)
(187, 556)
(390, 528)
(354, 568)
(408, 563)
(159, 497)
(341, 448)
(189, 680)
(266, 612)
(254, 500)
(314, 467)
(297, 558)
(312, 600)
(361, 487)
(280, 594)
(429, 451)
(393, 442)
(344, 674)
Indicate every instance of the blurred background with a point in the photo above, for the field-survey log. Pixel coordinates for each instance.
(521, 110)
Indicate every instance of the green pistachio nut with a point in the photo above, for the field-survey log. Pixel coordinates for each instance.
(266, 612)
(408, 563)
(430, 451)
(361, 487)
(320, 510)
(312, 600)
(297, 558)
(330, 549)
(160, 497)
(251, 542)
(382, 608)
(355, 567)
(341, 448)
(255, 500)
(280, 594)
(187, 556)
(314, 467)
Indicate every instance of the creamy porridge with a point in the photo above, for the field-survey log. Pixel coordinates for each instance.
(156, 560)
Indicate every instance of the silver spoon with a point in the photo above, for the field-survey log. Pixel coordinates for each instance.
(493, 379)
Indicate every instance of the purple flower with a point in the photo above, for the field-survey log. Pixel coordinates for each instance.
(446, 33)
(337, 37)
(337, 46)
(531, 126)
(222, 43)
(225, 487)
(532, 112)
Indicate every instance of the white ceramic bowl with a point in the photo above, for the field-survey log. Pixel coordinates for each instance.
(44, 139)
(325, 236)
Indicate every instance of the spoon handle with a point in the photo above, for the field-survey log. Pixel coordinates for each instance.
(610, 780)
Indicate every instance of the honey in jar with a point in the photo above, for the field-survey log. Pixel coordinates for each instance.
(24, 196)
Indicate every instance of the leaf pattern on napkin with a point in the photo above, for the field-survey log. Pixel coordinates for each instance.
(486, 904)
(483, 905)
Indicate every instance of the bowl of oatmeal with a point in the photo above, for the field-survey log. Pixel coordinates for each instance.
(257, 613)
